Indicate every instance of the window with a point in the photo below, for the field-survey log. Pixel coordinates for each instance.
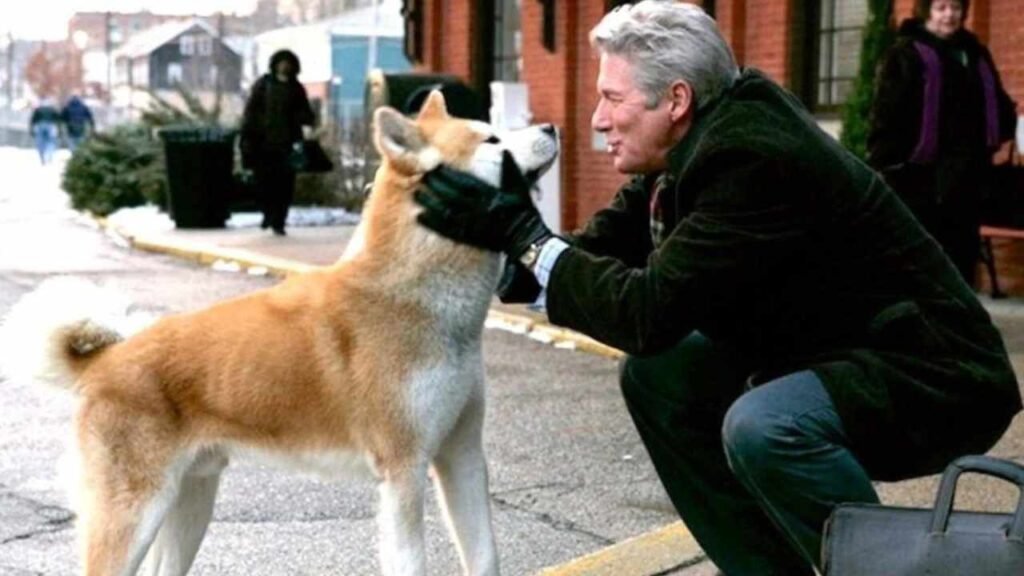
(188, 45)
(412, 13)
(839, 29)
(508, 62)
(173, 74)
(205, 45)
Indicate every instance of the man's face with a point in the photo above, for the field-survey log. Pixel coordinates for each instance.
(638, 138)
(945, 17)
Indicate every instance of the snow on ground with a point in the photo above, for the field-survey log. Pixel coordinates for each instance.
(149, 217)
(27, 181)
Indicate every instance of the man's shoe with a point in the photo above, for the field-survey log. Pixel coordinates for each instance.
(280, 232)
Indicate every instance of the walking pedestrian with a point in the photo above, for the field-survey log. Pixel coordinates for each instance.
(78, 122)
(938, 114)
(44, 125)
(272, 124)
(792, 331)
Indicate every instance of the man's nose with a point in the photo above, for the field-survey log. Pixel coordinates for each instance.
(600, 121)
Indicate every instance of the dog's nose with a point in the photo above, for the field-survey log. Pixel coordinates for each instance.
(549, 129)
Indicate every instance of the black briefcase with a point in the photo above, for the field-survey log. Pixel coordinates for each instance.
(875, 540)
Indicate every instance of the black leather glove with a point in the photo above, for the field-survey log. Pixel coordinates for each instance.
(466, 209)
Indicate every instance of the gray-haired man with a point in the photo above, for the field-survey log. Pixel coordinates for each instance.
(792, 331)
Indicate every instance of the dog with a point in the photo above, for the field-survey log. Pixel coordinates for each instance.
(370, 367)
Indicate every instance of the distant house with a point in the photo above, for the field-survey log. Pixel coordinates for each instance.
(189, 54)
(338, 53)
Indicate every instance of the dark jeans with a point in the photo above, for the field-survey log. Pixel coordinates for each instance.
(754, 473)
(275, 187)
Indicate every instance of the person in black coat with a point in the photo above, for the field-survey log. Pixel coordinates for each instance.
(275, 113)
(792, 332)
(938, 114)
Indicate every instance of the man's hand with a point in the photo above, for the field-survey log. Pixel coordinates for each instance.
(465, 209)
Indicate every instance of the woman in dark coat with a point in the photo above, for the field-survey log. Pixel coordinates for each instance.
(275, 113)
(939, 113)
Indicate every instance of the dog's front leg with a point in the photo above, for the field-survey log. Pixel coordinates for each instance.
(401, 521)
(460, 471)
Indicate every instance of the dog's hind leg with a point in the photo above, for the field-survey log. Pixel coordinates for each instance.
(118, 523)
(460, 472)
(178, 540)
(401, 520)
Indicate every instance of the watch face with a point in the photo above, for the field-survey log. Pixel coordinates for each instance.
(530, 256)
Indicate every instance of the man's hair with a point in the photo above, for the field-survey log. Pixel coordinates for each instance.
(923, 8)
(666, 41)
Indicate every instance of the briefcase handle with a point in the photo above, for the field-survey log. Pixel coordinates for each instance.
(1009, 471)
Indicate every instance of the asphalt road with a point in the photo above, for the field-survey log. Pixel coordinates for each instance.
(568, 473)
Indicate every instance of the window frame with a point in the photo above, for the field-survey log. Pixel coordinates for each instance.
(187, 45)
(175, 74)
(813, 46)
(204, 46)
(503, 60)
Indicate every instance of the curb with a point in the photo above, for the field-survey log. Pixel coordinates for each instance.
(656, 552)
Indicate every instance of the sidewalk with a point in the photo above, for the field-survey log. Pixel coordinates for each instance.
(670, 550)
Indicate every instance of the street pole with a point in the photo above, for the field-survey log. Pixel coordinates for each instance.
(10, 70)
(372, 56)
(107, 48)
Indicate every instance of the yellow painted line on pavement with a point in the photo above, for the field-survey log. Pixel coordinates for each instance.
(204, 254)
(651, 553)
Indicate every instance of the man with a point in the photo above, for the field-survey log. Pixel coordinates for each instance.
(78, 122)
(792, 331)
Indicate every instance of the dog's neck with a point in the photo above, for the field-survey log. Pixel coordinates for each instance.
(402, 257)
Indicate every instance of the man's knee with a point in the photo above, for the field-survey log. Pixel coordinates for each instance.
(755, 438)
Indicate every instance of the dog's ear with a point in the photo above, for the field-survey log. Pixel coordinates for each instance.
(434, 107)
(399, 140)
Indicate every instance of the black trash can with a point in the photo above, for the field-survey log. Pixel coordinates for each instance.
(199, 174)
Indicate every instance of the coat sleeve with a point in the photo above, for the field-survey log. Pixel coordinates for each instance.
(895, 117)
(742, 232)
(621, 230)
(1006, 106)
(305, 111)
(251, 131)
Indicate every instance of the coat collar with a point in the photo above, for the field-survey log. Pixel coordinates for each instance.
(679, 157)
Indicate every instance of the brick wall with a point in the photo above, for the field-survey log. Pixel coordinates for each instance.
(562, 84)
(766, 38)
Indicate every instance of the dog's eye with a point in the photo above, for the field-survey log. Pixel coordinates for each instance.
(492, 139)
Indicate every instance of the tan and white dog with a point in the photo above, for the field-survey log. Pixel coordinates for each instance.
(373, 364)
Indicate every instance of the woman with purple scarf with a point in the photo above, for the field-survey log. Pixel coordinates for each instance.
(939, 114)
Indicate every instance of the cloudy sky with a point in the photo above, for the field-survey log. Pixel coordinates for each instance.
(47, 19)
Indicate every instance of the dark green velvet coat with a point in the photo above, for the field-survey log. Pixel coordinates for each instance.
(789, 248)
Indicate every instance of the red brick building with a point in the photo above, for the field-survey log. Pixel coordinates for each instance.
(810, 46)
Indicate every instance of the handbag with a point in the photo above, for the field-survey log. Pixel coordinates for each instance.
(874, 540)
(1003, 205)
(309, 156)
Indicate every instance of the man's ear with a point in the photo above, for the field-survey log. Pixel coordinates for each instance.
(398, 139)
(680, 97)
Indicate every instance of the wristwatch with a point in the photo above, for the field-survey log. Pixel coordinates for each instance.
(529, 258)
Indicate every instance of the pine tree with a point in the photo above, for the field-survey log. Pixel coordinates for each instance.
(878, 37)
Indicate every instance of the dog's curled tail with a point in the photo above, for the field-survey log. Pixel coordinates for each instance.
(53, 333)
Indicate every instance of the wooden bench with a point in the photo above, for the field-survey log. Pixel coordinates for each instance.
(988, 255)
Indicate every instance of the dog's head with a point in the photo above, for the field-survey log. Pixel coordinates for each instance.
(409, 148)
(414, 147)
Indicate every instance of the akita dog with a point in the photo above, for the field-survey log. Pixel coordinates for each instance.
(373, 364)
